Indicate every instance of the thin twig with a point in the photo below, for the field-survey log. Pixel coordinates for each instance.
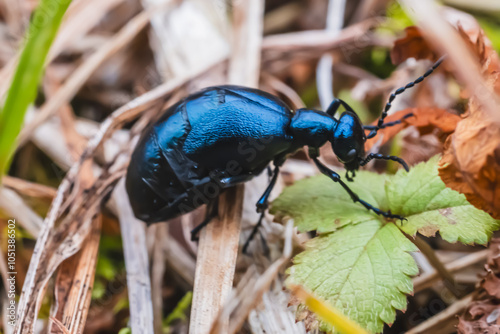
(429, 253)
(252, 293)
(324, 72)
(428, 279)
(217, 252)
(431, 324)
(30, 189)
(14, 206)
(136, 263)
(157, 272)
(282, 88)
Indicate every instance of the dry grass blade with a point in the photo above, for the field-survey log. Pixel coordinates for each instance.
(14, 206)
(82, 17)
(252, 294)
(324, 73)
(309, 44)
(49, 138)
(74, 283)
(75, 142)
(16, 16)
(57, 243)
(30, 189)
(274, 316)
(160, 231)
(60, 326)
(180, 261)
(244, 66)
(429, 253)
(428, 279)
(435, 324)
(136, 262)
(216, 260)
(282, 88)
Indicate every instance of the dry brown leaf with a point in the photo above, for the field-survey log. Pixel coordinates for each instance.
(483, 313)
(426, 120)
(471, 161)
(411, 45)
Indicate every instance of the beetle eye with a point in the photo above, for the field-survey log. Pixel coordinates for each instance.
(351, 154)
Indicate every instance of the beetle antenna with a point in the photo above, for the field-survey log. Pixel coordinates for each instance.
(388, 124)
(399, 91)
(372, 156)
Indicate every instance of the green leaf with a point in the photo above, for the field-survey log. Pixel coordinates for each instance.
(422, 197)
(360, 262)
(361, 269)
(318, 203)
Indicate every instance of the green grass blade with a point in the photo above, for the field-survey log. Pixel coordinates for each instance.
(23, 90)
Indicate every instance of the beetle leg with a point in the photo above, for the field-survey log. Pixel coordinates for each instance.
(263, 202)
(334, 106)
(254, 231)
(336, 178)
(269, 172)
(262, 205)
(372, 156)
(350, 178)
(212, 211)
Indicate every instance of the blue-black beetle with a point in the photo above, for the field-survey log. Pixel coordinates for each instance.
(225, 135)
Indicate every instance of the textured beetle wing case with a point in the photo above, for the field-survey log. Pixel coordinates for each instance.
(212, 139)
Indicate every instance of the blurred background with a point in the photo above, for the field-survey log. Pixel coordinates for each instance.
(110, 52)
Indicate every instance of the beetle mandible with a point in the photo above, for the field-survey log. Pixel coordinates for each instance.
(225, 135)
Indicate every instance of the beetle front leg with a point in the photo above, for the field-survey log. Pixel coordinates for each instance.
(212, 212)
(262, 205)
(334, 106)
(336, 178)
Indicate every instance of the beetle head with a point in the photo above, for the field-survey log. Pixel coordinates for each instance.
(349, 141)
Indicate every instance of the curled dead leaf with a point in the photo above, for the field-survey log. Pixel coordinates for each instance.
(426, 120)
(471, 159)
(483, 314)
(492, 284)
(411, 45)
(471, 163)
